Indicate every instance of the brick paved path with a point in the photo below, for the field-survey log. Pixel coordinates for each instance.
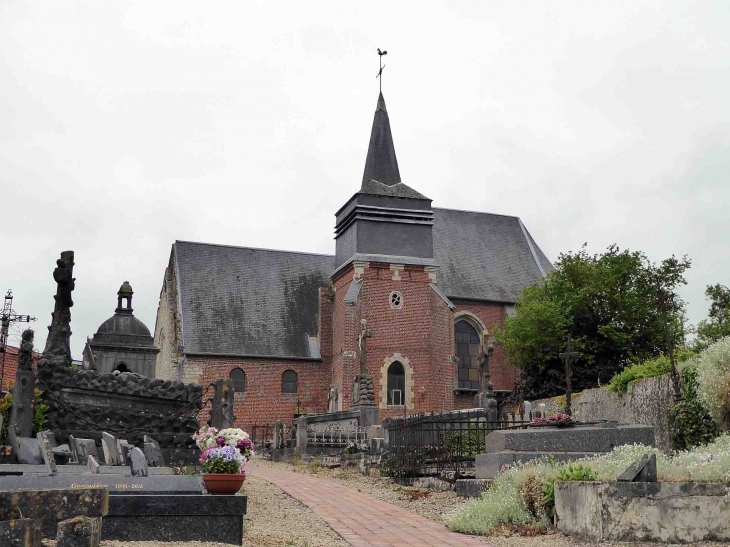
(361, 519)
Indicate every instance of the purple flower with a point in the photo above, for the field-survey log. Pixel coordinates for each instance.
(220, 440)
(245, 444)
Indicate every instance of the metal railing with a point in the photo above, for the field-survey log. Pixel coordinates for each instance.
(335, 434)
(443, 444)
(260, 434)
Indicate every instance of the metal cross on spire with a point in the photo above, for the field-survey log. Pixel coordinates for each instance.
(7, 318)
(568, 357)
(382, 66)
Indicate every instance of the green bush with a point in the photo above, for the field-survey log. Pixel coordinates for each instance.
(389, 467)
(573, 472)
(713, 381)
(689, 423)
(466, 442)
(5, 404)
(651, 368)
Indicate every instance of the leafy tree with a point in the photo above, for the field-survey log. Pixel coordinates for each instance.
(717, 325)
(609, 303)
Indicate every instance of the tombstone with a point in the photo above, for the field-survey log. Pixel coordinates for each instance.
(74, 449)
(541, 409)
(160, 457)
(528, 409)
(93, 465)
(84, 448)
(154, 457)
(642, 471)
(62, 454)
(26, 449)
(221, 412)
(21, 413)
(44, 442)
(111, 451)
(126, 451)
(278, 435)
(138, 463)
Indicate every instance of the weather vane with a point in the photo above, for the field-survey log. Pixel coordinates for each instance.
(382, 66)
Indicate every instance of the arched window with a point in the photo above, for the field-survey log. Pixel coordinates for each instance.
(122, 367)
(396, 384)
(467, 350)
(239, 380)
(289, 382)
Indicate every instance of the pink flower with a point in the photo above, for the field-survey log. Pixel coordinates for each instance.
(220, 441)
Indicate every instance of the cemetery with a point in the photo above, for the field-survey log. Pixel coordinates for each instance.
(435, 379)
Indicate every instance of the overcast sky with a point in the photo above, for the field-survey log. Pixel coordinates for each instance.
(128, 125)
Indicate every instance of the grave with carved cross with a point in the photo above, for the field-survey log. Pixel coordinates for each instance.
(568, 357)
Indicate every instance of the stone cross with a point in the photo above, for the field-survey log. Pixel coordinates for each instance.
(568, 357)
(363, 345)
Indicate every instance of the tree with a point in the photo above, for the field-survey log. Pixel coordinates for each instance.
(608, 302)
(717, 325)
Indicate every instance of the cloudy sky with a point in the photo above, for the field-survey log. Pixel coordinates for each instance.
(128, 125)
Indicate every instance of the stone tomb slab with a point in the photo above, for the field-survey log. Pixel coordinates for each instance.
(28, 469)
(569, 439)
(20, 533)
(116, 484)
(199, 517)
(51, 505)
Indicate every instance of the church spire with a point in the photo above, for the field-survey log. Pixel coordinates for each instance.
(381, 163)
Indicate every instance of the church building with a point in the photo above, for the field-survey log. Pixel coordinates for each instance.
(287, 327)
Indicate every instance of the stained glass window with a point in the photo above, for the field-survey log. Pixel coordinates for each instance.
(289, 382)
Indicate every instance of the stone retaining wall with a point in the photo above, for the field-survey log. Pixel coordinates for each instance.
(647, 403)
(670, 512)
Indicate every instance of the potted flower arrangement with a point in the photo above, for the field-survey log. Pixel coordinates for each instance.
(559, 420)
(224, 458)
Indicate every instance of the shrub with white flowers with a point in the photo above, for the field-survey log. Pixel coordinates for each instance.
(713, 381)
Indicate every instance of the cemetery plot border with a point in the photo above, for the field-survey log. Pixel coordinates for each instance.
(442, 444)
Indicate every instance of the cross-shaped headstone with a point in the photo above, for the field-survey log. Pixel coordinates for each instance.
(568, 357)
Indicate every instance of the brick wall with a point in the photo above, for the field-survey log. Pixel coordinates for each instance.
(11, 365)
(263, 402)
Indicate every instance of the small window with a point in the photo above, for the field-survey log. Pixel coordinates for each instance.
(289, 382)
(396, 300)
(239, 380)
(396, 384)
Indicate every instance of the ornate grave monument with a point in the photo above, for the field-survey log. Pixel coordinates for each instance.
(83, 403)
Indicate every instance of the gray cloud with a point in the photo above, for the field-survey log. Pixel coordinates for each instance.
(128, 126)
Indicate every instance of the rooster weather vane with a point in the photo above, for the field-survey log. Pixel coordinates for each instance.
(382, 66)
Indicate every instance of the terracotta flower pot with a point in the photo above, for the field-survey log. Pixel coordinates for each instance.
(223, 483)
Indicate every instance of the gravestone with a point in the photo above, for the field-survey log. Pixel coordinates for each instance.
(86, 448)
(126, 450)
(111, 450)
(160, 457)
(221, 412)
(74, 449)
(21, 413)
(44, 442)
(138, 463)
(642, 471)
(154, 457)
(26, 449)
(93, 465)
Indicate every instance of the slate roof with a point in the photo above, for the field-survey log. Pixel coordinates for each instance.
(259, 302)
(243, 301)
(381, 164)
(484, 256)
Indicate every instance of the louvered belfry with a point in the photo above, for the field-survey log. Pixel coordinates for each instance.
(386, 221)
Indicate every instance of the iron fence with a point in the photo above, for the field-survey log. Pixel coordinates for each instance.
(260, 434)
(335, 434)
(443, 444)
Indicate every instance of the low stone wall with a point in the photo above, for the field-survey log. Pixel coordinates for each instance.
(670, 512)
(647, 403)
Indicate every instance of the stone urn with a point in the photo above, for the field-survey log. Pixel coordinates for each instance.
(223, 483)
